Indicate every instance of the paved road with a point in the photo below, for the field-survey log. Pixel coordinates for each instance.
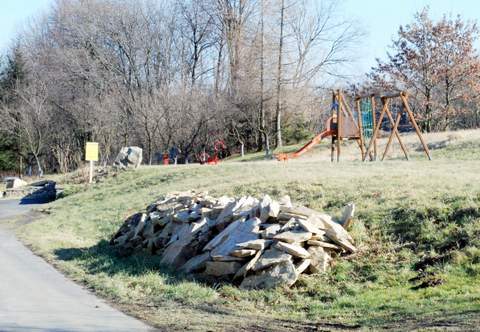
(11, 208)
(36, 297)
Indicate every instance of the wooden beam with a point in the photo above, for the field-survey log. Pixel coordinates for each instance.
(374, 122)
(350, 113)
(372, 95)
(360, 127)
(332, 144)
(392, 95)
(332, 149)
(404, 97)
(397, 134)
(339, 124)
(390, 138)
(377, 128)
(361, 141)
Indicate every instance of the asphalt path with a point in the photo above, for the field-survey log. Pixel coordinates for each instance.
(36, 297)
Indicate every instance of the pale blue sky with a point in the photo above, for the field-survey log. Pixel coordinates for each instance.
(382, 18)
(379, 18)
(13, 13)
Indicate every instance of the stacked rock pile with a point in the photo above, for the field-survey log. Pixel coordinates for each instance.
(255, 243)
(38, 192)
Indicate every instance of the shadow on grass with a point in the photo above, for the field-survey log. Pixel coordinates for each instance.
(42, 192)
(103, 258)
(458, 321)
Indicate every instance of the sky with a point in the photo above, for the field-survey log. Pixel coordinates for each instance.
(379, 19)
(14, 13)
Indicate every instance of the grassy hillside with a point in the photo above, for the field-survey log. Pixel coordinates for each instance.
(417, 227)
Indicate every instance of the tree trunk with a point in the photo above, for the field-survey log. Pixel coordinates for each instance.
(428, 112)
(218, 69)
(447, 103)
(262, 83)
(278, 109)
(40, 170)
(267, 144)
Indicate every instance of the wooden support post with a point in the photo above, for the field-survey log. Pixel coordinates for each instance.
(360, 128)
(377, 128)
(339, 124)
(397, 134)
(347, 109)
(358, 125)
(332, 149)
(404, 97)
(332, 146)
(390, 138)
(374, 122)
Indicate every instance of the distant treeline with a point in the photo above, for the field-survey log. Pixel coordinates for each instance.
(185, 74)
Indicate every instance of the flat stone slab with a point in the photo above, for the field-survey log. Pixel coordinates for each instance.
(243, 252)
(270, 257)
(303, 265)
(320, 259)
(292, 249)
(308, 226)
(271, 231)
(324, 244)
(347, 215)
(248, 266)
(341, 241)
(259, 244)
(293, 236)
(196, 263)
(279, 275)
(268, 208)
(244, 232)
(219, 269)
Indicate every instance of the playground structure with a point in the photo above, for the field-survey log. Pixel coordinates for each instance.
(361, 124)
(207, 159)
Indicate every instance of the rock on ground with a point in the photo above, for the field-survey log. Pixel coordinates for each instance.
(128, 157)
(280, 275)
(14, 182)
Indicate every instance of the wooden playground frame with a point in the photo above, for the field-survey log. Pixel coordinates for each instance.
(346, 127)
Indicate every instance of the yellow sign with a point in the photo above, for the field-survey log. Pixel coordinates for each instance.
(91, 151)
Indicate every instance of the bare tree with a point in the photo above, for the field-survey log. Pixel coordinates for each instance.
(278, 107)
(175, 73)
(29, 119)
(437, 62)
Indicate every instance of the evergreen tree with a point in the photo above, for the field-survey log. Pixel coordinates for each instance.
(12, 72)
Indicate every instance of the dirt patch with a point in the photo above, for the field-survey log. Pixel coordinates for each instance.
(15, 222)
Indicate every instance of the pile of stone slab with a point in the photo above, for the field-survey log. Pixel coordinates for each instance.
(38, 192)
(14, 182)
(258, 244)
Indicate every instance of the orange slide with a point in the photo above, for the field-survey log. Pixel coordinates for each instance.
(317, 139)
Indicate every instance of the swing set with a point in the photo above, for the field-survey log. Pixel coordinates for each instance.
(361, 124)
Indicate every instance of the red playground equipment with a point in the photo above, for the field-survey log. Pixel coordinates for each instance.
(206, 159)
(331, 123)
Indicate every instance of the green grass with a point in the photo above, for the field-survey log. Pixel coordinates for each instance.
(258, 156)
(410, 215)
